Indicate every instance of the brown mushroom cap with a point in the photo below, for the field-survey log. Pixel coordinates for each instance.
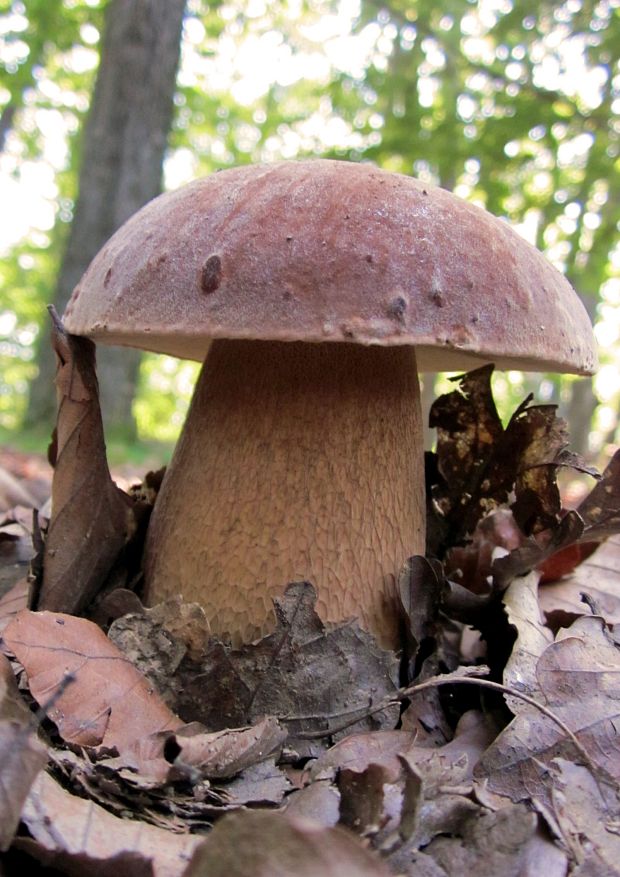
(331, 251)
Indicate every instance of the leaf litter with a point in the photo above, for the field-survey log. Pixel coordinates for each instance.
(490, 744)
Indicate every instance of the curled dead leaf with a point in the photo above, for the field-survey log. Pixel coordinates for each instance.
(92, 520)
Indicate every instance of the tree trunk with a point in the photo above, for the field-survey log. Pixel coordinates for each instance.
(123, 149)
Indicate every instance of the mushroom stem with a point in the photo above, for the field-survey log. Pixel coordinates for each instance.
(297, 461)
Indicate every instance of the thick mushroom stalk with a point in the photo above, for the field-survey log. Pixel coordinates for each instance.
(297, 461)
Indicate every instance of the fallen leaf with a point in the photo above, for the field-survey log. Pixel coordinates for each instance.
(588, 815)
(521, 605)
(16, 548)
(577, 676)
(479, 464)
(319, 801)
(311, 676)
(92, 520)
(533, 553)
(21, 754)
(600, 510)
(365, 805)
(260, 784)
(151, 648)
(470, 564)
(275, 845)
(79, 837)
(109, 703)
(564, 561)
(420, 590)
(486, 844)
(224, 754)
(598, 576)
(190, 804)
(189, 751)
(156, 640)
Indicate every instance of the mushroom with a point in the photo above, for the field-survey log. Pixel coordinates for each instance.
(309, 289)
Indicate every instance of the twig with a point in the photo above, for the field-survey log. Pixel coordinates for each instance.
(452, 679)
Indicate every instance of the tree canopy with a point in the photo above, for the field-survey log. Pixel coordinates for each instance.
(513, 104)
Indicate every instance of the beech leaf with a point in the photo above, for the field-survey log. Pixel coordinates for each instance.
(109, 702)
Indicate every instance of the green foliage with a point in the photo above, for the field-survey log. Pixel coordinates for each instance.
(163, 396)
(514, 104)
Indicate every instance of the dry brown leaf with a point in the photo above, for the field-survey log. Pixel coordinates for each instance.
(521, 605)
(486, 844)
(92, 520)
(387, 748)
(578, 677)
(190, 805)
(265, 844)
(346, 666)
(600, 510)
(260, 784)
(108, 702)
(80, 837)
(598, 577)
(479, 464)
(156, 640)
(588, 815)
(319, 801)
(16, 548)
(392, 789)
(21, 754)
(191, 751)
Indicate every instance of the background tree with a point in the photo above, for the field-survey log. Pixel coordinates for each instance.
(121, 168)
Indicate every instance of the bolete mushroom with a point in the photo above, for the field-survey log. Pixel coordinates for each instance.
(310, 289)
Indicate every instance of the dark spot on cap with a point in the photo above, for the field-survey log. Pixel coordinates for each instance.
(287, 296)
(437, 298)
(107, 277)
(211, 275)
(369, 258)
(397, 307)
(424, 192)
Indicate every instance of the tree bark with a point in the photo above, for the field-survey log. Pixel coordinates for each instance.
(124, 143)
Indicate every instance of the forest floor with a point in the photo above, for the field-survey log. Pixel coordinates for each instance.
(489, 744)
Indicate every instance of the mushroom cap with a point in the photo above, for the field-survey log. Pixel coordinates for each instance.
(332, 251)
